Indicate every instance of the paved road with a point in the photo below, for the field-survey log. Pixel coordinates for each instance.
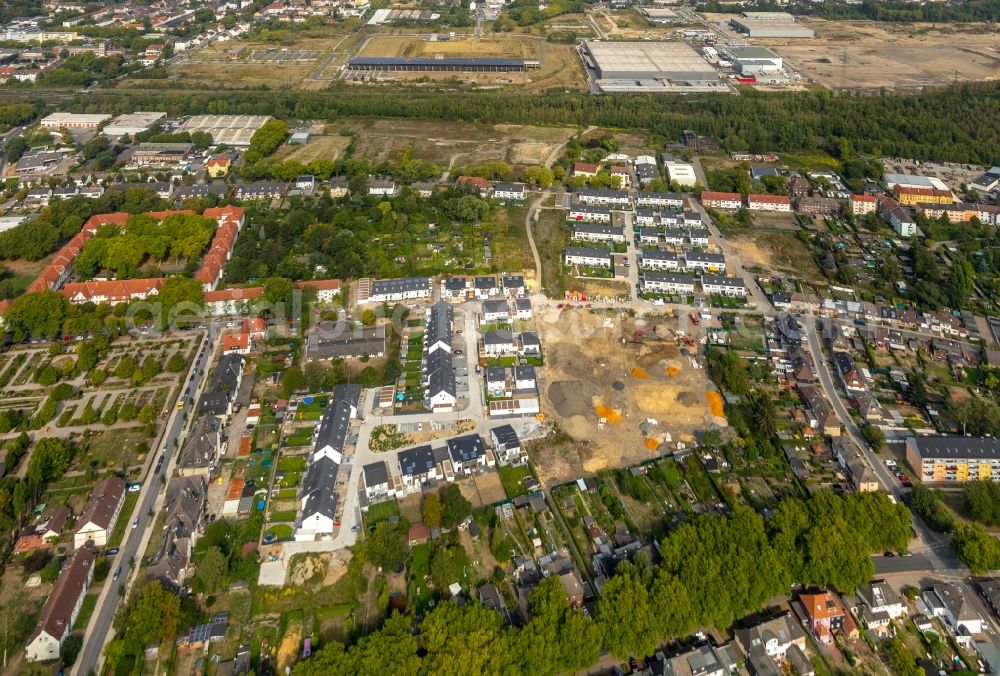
(99, 631)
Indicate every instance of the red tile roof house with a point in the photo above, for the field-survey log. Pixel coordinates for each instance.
(236, 343)
(481, 185)
(722, 200)
(61, 608)
(232, 301)
(112, 292)
(769, 203)
(326, 289)
(585, 169)
(826, 616)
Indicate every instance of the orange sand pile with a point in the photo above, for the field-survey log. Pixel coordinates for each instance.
(652, 444)
(608, 413)
(672, 371)
(715, 403)
(639, 373)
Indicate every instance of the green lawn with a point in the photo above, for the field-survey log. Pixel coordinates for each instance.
(286, 494)
(420, 566)
(291, 480)
(287, 515)
(292, 464)
(513, 480)
(86, 610)
(381, 511)
(124, 519)
(282, 531)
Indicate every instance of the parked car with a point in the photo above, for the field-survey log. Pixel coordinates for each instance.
(118, 573)
(135, 522)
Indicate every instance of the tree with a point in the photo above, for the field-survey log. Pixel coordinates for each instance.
(454, 507)
(147, 414)
(181, 298)
(874, 436)
(982, 501)
(431, 510)
(976, 548)
(126, 367)
(628, 622)
(176, 363)
(212, 568)
(291, 381)
(50, 572)
(928, 504)
(386, 546)
(368, 317)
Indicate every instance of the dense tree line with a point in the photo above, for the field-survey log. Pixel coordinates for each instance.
(714, 570)
(949, 124)
(266, 140)
(13, 114)
(982, 501)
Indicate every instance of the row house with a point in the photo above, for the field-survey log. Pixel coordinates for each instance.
(662, 282)
(819, 206)
(777, 203)
(670, 200)
(705, 262)
(913, 196)
(589, 213)
(220, 250)
(485, 287)
(231, 301)
(591, 257)
(113, 291)
(650, 236)
(863, 204)
(513, 285)
(391, 290)
(724, 286)
(513, 192)
(657, 259)
(598, 233)
(495, 311)
(605, 197)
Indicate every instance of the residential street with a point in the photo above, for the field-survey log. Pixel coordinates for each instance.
(99, 631)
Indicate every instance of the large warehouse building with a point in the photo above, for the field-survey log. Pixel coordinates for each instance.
(674, 61)
(463, 65)
(770, 25)
(232, 130)
(755, 60)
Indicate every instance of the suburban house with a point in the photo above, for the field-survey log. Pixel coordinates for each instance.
(236, 343)
(495, 311)
(586, 169)
(338, 340)
(202, 448)
(61, 608)
(605, 197)
(863, 204)
(326, 289)
(588, 256)
(507, 446)
(439, 320)
(598, 233)
(389, 290)
(769, 203)
(663, 282)
(485, 287)
(878, 605)
(588, 214)
(338, 188)
(947, 602)
(441, 392)
(381, 188)
(773, 637)
(217, 166)
(724, 286)
(698, 237)
(454, 287)
(732, 201)
(825, 616)
(417, 467)
(514, 192)
(220, 394)
(847, 371)
(529, 345)
(468, 454)
(498, 343)
(513, 285)
(184, 506)
(671, 200)
(100, 514)
(704, 262)
(378, 483)
(658, 259)
(522, 308)
(319, 500)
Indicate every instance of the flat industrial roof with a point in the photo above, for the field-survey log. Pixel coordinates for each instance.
(752, 52)
(422, 61)
(676, 60)
(228, 129)
(957, 448)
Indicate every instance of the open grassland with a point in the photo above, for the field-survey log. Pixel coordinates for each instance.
(415, 46)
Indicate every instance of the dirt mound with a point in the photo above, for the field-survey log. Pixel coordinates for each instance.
(688, 398)
(651, 444)
(611, 415)
(671, 371)
(571, 397)
(715, 403)
(639, 373)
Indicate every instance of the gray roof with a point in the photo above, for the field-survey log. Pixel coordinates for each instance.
(321, 502)
(589, 252)
(498, 338)
(667, 277)
(466, 448)
(439, 323)
(455, 283)
(524, 372)
(376, 473)
(441, 374)
(489, 282)
(494, 373)
(222, 387)
(512, 281)
(723, 281)
(506, 437)
(419, 460)
(333, 426)
(704, 257)
(342, 341)
(321, 475)
(495, 306)
(603, 192)
(202, 443)
(590, 209)
(382, 286)
(530, 338)
(598, 229)
(979, 448)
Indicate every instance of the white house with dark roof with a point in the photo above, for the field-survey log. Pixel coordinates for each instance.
(377, 481)
(506, 445)
(529, 345)
(469, 454)
(411, 288)
(586, 232)
(657, 259)
(61, 608)
(417, 467)
(604, 197)
(664, 282)
(513, 192)
(522, 308)
(592, 257)
(513, 285)
(589, 213)
(704, 262)
(495, 311)
(440, 393)
(100, 514)
(672, 200)
(724, 286)
(499, 343)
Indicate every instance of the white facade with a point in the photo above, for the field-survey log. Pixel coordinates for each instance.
(724, 286)
(681, 173)
(666, 283)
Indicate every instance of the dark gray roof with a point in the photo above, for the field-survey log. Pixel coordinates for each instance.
(333, 426)
(466, 448)
(723, 281)
(321, 502)
(400, 285)
(979, 448)
(455, 283)
(508, 187)
(349, 392)
(495, 306)
(320, 476)
(506, 437)
(523, 304)
(376, 473)
(667, 277)
(704, 257)
(339, 340)
(494, 373)
(525, 372)
(485, 282)
(590, 209)
(603, 192)
(661, 196)
(441, 374)
(589, 252)
(419, 460)
(530, 338)
(201, 444)
(598, 229)
(222, 387)
(439, 323)
(498, 338)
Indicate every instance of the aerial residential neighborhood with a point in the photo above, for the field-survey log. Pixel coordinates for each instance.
(603, 338)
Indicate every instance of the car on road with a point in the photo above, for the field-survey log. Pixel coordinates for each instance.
(135, 522)
(888, 554)
(118, 573)
(134, 487)
(890, 463)
(355, 528)
(458, 352)
(111, 552)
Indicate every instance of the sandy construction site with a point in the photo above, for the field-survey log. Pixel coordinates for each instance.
(619, 387)
(871, 55)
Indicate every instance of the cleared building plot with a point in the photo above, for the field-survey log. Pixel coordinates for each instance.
(234, 130)
(869, 55)
(647, 66)
(770, 25)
